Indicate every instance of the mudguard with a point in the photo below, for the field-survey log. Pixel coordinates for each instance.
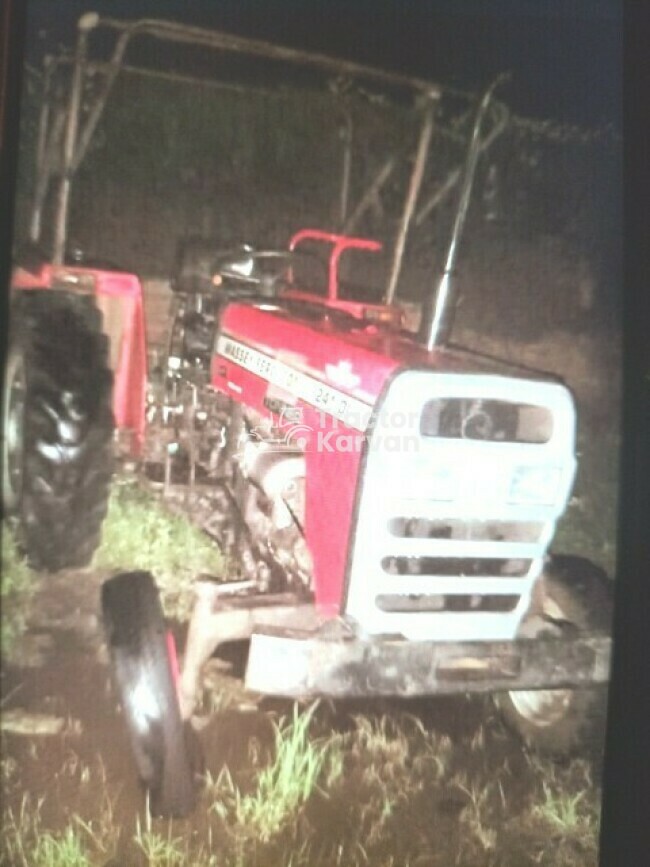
(119, 297)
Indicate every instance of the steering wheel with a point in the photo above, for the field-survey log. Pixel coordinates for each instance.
(265, 269)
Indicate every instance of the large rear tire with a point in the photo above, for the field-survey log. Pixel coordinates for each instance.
(58, 426)
(558, 722)
(139, 645)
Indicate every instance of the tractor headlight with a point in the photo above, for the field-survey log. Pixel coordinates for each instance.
(536, 485)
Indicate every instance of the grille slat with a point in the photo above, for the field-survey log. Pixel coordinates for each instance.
(456, 567)
(459, 549)
(453, 585)
(468, 604)
(396, 508)
(422, 527)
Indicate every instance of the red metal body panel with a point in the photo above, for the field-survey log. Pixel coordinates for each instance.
(358, 309)
(130, 371)
(314, 345)
(310, 349)
(320, 340)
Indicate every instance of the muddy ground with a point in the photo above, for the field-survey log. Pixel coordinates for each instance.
(422, 782)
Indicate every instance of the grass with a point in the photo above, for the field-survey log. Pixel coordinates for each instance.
(565, 812)
(475, 816)
(282, 787)
(159, 850)
(27, 844)
(386, 791)
(16, 589)
(139, 533)
(67, 850)
(560, 811)
(288, 782)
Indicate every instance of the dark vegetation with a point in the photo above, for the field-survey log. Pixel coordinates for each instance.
(251, 165)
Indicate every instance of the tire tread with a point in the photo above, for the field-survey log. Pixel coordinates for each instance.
(68, 427)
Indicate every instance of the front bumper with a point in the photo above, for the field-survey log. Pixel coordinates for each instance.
(305, 664)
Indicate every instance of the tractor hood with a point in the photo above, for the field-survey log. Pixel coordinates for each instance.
(355, 357)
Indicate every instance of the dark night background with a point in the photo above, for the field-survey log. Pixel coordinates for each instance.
(566, 57)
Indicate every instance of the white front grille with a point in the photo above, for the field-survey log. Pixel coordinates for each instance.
(449, 537)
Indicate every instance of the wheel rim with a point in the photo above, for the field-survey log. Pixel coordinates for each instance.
(543, 707)
(14, 416)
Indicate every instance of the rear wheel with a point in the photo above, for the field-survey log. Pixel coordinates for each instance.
(58, 426)
(557, 722)
(143, 657)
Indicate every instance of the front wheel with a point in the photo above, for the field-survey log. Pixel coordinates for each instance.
(556, 722)
(143, 657)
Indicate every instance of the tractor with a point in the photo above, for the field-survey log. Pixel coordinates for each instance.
(385, 499)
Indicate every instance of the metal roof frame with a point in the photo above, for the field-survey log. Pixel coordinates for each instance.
(76, 132)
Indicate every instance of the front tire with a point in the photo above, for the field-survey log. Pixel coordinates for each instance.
(558, 722)
(58, 426)
(139, 646)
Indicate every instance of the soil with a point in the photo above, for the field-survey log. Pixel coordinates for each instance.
(85, 770)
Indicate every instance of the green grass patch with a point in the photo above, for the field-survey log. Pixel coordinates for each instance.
(158, 849)
(17, 587)
(285, 785)
(27, 844)
(66, 850)
(140, 533)
(282, 788)
(566, 810)
(563, 812)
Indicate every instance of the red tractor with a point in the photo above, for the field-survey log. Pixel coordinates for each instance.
(386, 500)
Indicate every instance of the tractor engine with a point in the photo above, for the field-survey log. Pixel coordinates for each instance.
(252, 483)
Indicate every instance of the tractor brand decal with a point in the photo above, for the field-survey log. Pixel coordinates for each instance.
(342, 374)
(352, 412)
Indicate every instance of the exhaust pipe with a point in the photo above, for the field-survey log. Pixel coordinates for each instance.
(438, 310)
